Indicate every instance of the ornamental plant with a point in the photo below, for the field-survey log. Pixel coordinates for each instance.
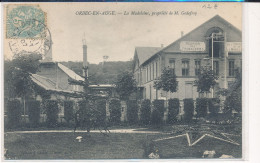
(52, 111)
(201, 107)
(14, 113)
(132, 112)
(68, 111)
(145, 117)
(206, 80)
(158, 112)
(115, 111)
(167, 81)
(188, 110)
(34, 112)
(173, 107)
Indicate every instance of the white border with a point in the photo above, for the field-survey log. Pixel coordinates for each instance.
(251, 86)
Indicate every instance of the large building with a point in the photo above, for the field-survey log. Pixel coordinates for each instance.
(187, 55)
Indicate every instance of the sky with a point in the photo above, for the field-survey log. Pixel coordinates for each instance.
(117, 35)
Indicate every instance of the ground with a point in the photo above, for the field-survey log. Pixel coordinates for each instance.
(120, 144)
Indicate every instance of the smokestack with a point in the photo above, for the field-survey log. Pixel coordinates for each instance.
(182, 33)
(85, 60)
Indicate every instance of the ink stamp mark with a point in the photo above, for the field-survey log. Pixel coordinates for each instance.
(20, 22)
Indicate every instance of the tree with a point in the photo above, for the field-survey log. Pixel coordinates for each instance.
(18, 72)
(18, 82)
(125, 85)
(234, 95)
(167, 81)
(206, 80)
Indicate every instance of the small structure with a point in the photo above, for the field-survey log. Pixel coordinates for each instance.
(79, 138)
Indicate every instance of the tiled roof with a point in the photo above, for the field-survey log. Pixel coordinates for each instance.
(70, 73)
(144, 53)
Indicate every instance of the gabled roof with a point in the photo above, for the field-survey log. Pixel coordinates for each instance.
(47, 84)
(70, 73)
(144, 53)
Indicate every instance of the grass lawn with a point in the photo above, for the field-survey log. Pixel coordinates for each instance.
(116, 146)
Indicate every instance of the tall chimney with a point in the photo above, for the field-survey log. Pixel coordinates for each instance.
(85, 60)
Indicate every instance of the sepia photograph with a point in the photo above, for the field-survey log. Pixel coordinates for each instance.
(98, 81)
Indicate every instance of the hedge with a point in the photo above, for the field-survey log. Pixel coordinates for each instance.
(14, 109)
(34, 112)
(158, 112)
(202, 107)
(68, 111)
(101, 111)
(213, 105)
(188, 109)
(145, 117)
(84, 111)
(52, 111)
(173, 107)
(132, 111)
(115, 111)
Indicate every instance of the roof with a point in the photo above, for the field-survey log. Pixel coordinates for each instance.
(47, 84)
(144, 53)
(70, 73)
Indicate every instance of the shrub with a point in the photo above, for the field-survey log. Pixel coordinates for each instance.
(52, 111)
(158, 112)
(68, 111)
(188, 109)
(34, 112)
(84, 111)
(145, 112)
(14, 113)
(115, 111)
(101, 111)
(173, 106)
(201, 107)
(132, 111)
(213, 105)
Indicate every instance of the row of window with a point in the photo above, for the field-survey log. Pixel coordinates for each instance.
(152, 71)
(186, 68)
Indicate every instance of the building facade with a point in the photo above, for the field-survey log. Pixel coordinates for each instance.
(216, 43)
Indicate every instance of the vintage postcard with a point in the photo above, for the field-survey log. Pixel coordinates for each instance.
(122, 81)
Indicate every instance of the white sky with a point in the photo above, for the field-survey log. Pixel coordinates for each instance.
(117, 36)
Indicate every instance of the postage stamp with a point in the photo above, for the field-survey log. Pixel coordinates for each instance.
(25, 21)
(26, 30)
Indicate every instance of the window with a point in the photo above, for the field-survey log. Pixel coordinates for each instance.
(150, 72)
(231, 69)
(185, 68)
(147, 74)
(197, 68)
(141, 77)
(153, 71)
(172, 64)
(218, 42)
(216, 68)
(156, 70)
